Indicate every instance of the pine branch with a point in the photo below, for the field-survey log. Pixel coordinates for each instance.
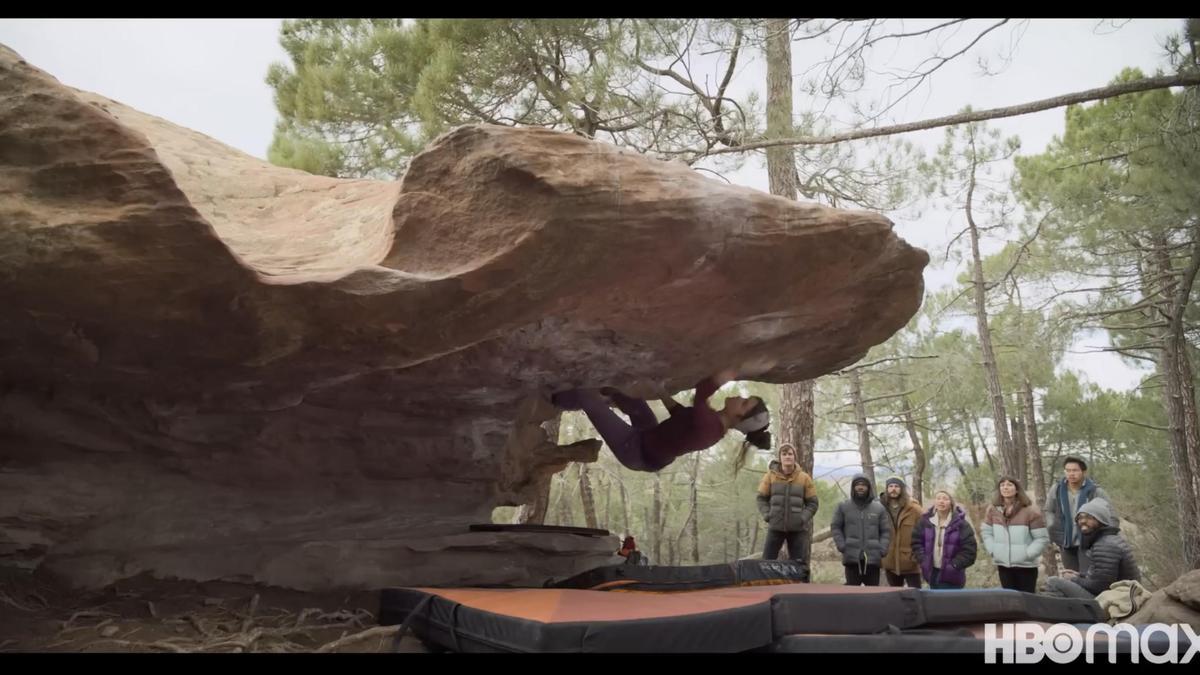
(1140, 424)
(1110, 91)
(878, 361)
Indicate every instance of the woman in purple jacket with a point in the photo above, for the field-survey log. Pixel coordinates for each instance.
(943, 543)
(650, 445)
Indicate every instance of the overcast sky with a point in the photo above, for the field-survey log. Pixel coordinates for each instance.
(209, 75)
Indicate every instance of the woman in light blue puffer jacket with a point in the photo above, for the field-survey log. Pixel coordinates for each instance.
(1015, 533)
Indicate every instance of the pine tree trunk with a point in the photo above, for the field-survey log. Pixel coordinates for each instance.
(695, 516)
(919, 462)
(1032, 446)
(796, 399)
(1175, 366)
(983, 444)
(737, 540)
(647, 536)
(607, 523)
(664, 531)
(657, 508)
(781, 162)
(677, 540)
(1015, 435)
(585, 496)
(1191, 433)
(976, 497)
(1004, 445)
(806, 426)
(918, 481)
(754, 539)
(1018, 441)
(797, 417)
(1039, 473)
(1185, 377)
(864, 436)
(962, 470)
(971, 443)
(737, 522)
(665, 519)
(796, 420)
(624, 501)
(1179, 394)
(564, 505)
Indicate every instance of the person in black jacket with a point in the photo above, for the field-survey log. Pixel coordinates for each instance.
(861, 532)
(1111, 556)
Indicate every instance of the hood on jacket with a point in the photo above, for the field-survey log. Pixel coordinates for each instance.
(1101, 510)
(861, 478)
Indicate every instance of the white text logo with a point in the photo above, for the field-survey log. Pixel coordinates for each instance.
(1063, 643)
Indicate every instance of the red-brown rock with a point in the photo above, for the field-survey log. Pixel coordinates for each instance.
(214, 367)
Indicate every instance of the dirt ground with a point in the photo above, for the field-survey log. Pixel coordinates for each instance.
(141, 614)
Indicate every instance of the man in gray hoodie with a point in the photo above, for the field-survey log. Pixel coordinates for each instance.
(1111, 556)
(861, 532)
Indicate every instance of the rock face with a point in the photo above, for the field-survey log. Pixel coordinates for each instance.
(1178, 602)
(211, 367)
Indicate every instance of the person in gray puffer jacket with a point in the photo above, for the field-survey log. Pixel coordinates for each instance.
(861, 532)
(1111, 556)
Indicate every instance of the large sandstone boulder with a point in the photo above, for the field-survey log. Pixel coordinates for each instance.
(1178, 602)
(211, 367)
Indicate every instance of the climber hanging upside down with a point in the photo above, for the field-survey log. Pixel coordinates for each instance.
(650, 445)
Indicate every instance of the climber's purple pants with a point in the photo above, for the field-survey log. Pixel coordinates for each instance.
(624, 440)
